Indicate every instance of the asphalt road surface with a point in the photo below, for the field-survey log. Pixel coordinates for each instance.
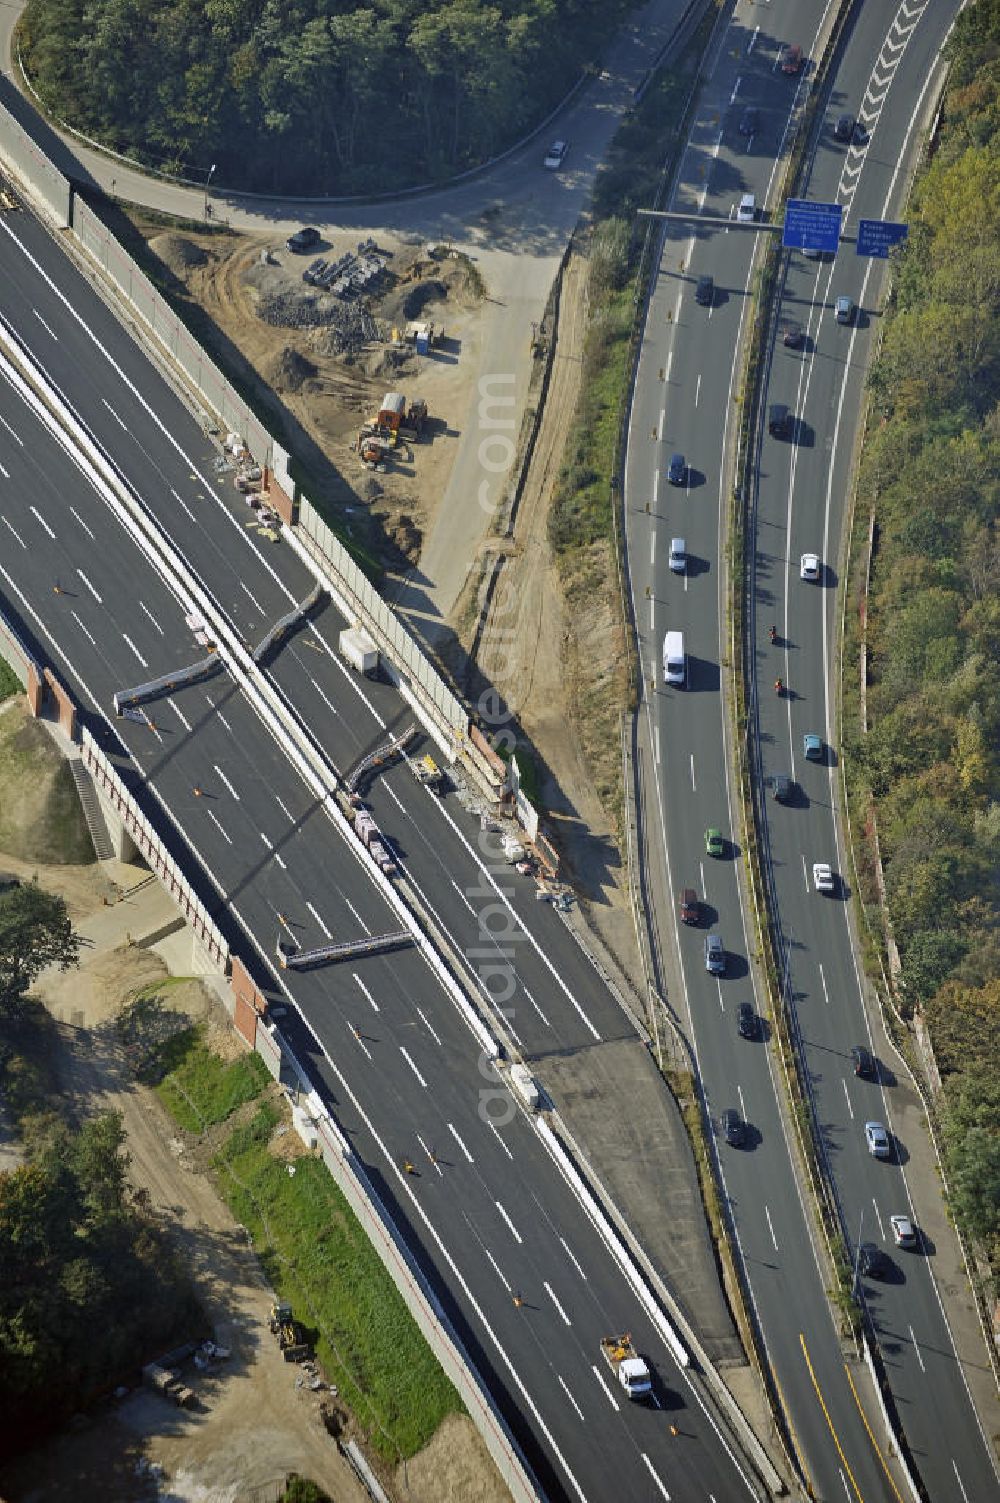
(800, 509)
(686, 389)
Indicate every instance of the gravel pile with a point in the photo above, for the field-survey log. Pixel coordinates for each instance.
(345, 327)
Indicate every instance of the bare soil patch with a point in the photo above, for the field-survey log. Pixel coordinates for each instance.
(550, 650)
(315, 353)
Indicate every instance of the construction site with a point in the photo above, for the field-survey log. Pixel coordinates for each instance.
(365, 345)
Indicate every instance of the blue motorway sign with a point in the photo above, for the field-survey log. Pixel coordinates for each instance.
(876, 237)
(811, 226)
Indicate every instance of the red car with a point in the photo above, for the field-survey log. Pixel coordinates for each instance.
(690, 908)
(790, 58)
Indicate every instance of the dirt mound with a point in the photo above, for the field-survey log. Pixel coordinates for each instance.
(177, 252)
(393, 360)
(40, 814)
(406, 536)
(422, 295)
(289, 369)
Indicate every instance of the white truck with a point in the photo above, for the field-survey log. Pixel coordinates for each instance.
(674, 659)
(628, 1367)
(359, 651)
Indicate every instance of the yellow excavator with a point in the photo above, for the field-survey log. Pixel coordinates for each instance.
(289, 1333)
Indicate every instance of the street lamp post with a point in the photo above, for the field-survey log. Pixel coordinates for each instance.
(208, 184)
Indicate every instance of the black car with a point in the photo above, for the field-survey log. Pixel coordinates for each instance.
(732, 1127)
(303, 239)
(872, 1261)
(746, 1021)
(704, 293)
(749, 121)
(677, 469)
(781, 787)
(779, 420)
(792, 335)
(864, 1063)
(844, 128)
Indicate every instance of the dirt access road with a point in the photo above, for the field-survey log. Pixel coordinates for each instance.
(255, 1425)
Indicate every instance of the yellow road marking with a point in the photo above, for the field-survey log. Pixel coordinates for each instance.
(800, 1454)
(864, 1421)
(826, 1415)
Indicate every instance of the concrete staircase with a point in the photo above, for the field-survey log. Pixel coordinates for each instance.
(103, 849)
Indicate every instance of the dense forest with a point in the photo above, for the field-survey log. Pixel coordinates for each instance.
(88, 1288)
(931, 478)
(310, 96)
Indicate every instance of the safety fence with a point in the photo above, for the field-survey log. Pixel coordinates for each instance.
(362, 604)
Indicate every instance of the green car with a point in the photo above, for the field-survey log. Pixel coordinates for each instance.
(713, 842)
(812, 746)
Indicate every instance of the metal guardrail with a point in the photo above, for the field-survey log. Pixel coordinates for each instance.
(393, 746)
(158, 688)
(291, 959)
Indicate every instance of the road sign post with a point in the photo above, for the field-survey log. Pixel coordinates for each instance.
(810, 226)
(876, 237)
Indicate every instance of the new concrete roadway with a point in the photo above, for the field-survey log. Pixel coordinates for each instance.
(685, 396)
(489, 1215)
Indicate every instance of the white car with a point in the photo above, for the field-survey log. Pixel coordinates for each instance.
(556, 155)
(904, 1233)
(878, 1142)
(678, 555)
(746, 213)
(809, 566)
(822, 876)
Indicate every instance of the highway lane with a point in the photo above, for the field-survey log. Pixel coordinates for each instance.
(560, 1002)
(413, 1069)
(801, 508)
(686, 387)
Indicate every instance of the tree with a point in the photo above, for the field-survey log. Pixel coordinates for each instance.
(972, 1155)
(35, 932)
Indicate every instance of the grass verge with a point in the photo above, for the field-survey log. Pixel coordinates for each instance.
(197, 1087)
(10, 684)
(314, 1252)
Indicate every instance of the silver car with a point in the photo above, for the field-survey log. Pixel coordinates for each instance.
(879, 1144)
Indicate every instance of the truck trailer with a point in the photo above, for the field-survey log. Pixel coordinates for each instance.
(359, 651)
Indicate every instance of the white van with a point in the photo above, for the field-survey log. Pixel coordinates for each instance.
(674, 659)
